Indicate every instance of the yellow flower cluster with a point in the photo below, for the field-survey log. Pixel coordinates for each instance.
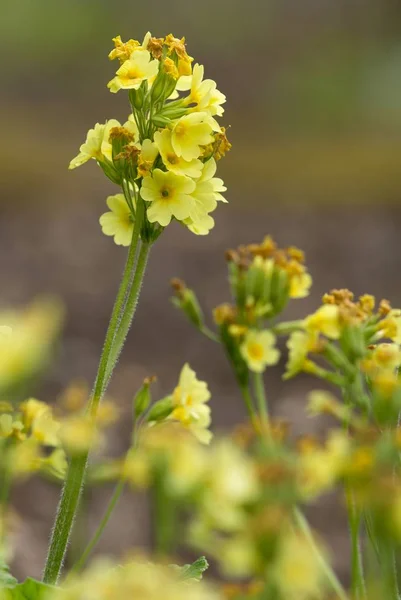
(346, 331)
(25, 435)
(263, 279)
(165, 153)
(133, 579)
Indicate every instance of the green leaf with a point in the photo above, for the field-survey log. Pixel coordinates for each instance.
(30, 590)
(6, 579)
(194, 571)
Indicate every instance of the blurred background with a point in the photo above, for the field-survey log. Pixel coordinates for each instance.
(314, 105)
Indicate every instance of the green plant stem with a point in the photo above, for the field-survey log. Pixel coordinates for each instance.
(71, 492)
(261, 399)
(392, 578)
(249, 404)
(118, 490)
(126, 320)
(357, 574)
(165, 518)
(326, 568)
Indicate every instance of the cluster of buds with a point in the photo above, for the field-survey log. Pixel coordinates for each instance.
(263, 278)
(361, 344)
(164, 157)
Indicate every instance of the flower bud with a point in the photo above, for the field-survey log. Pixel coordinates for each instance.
(161, 409)
(186, 300)
(143, 397)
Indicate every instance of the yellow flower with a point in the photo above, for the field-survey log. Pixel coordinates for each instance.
(206, 194)
(189, 399)
(201, 224)
(169, 195)
(174, 163)
(93, 147)
(297, 571)
(204, 92)
(170, 68)
(137, 578)
(390, 327)
(78, 434)
(319, 467)
(118, 222)
(34, 330)
(140, 67)
(299, 345)
(386, 356)
(123, 50)
(230, 483)
(326, 320)
(38, 417)
(190, 133)
(300, 283)
(258, 350)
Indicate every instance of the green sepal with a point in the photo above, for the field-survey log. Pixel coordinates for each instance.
(29, 590)
(195, 570)
(161, 409)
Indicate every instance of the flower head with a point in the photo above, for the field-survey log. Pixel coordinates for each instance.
(326, 320)
(123, 50)
(169, 195)
(190, 133)
(189, 400)
(139, 67)
(119, 221)
(258, 350)
(172, 162)
(203, 92)
(93, 147)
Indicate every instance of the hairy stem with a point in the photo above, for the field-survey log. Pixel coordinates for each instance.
(71, 492)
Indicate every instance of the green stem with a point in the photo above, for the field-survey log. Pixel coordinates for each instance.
(357, 574)
(99, 531)
(165, 518)
(261, 399)
(71, 492)
(249, 404)
(129, 311)
(326, 568)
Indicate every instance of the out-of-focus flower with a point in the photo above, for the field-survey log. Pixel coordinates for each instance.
(133, 579)
(27, 349)
(298, 571)
(258, 350)
(190, 408)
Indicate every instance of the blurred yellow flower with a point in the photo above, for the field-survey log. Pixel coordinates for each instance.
(300, 283)
(189, 400)
(297, 570)
(119, 221)
(93, 147)
(169, 195)
(326, 320)
(259, 351)
(139, 67)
